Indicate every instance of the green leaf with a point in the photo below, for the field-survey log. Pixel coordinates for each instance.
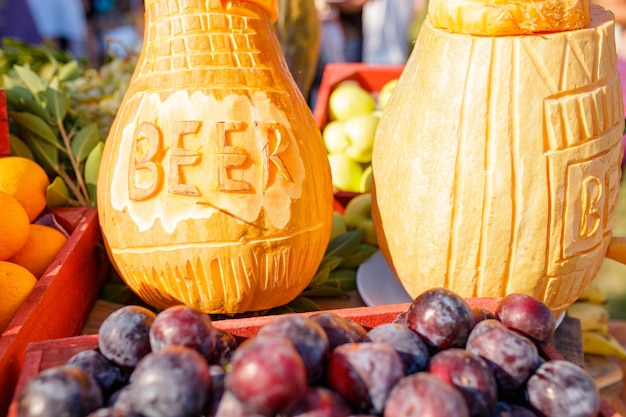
(45, 154)
(57, 104)
(324, 291)
(343, 274)
(20, 148)
(92, 167)
(332, 261)
(70, 71)
(57, 194)
(303, 305)
(361, 255)
(343, 278)
(31, 79)
(36, 126)
(345, 244)
(84, 141)
(322, 274)
(115, 293)
(279, 310)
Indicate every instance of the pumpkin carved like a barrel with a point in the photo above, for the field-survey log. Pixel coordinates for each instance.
(214, 189)
(497, 161)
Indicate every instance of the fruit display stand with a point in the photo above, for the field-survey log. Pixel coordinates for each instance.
(46, 354)
(60, 302)
(370, 77)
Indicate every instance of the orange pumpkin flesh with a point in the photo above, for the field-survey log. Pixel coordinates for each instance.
(214, 189)
(508, 17)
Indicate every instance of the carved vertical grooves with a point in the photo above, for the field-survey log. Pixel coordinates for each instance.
(225, 283)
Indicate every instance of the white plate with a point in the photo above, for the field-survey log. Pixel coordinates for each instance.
(376, 283)
(378, 286)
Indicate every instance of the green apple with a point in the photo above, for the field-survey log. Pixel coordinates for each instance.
(358, 215)
(386, 92)
(349, 99)
(366, 179)
(339, 225)
(346, 173)
(361, 131)
(335, 138)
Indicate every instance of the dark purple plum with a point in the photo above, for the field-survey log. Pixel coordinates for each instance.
(505, 409)
(60, 391)
(171, 382)
(267, 374)
(364, 374)
(231, 406)
(481, 313)
(123, 337)
(107, 374)
(470, 374)
(337, 328)
(225, 345)
(562, 388)
(359, 331)
(321, 402)
(121, 400)
(511, 356)
(527, 315)
(407, 343)
(442, 318)
(425, 395)
(183, 326)
(218, 376)
(108, 412)
(307, 336)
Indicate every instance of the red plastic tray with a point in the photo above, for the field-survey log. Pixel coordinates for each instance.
(59, 304)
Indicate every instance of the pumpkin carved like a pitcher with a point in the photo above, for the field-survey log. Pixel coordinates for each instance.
(497, 161)
(214, 189)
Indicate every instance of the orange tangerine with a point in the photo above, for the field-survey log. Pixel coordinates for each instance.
(14, 226)
(25, 180)
(42, 246)
(16, 283)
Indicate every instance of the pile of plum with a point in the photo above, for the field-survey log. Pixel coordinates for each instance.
(440, 357)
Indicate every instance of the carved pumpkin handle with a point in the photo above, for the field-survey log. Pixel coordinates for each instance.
(617, 249)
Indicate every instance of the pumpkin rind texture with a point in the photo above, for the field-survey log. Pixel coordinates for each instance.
(497, 162)
(214, 189)
(508, 17)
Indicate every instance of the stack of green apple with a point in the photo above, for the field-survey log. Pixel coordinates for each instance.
(353, 114)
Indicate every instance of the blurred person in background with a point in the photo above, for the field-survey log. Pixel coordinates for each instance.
(62, 21)
(386, 26)
(16, 21)
(340, 40)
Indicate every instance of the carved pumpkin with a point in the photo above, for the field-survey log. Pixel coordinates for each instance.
(214, 189)
(497, 162)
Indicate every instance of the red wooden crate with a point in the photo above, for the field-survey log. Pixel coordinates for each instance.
(5, 145)
(43, 355)
(370, 77)
(59, 304)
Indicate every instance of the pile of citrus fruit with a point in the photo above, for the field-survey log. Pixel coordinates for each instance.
(26, 247)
